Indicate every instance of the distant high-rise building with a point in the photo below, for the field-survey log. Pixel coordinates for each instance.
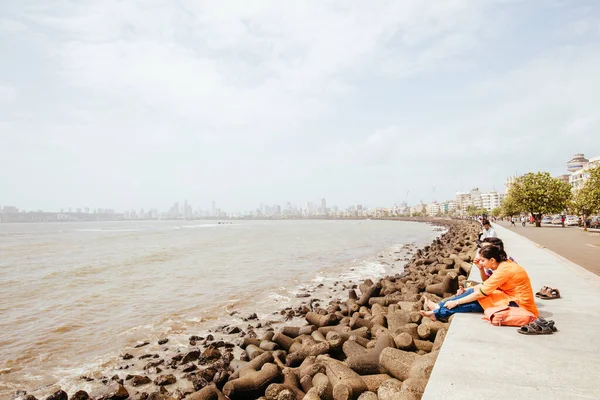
(323, 207)
(214, 209)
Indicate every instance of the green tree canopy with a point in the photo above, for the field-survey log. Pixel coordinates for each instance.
(496, 212)
(508, 207)
(586, 200)
(538, 194)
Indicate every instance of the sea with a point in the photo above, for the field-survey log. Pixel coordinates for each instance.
(75, 296)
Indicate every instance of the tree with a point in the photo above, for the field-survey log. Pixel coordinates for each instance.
(496, 212)
(539, 194)
(509, 207)
(586, 200)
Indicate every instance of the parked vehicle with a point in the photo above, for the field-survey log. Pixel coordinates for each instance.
(547, 220)
(557, 220)
(572, 221)
(595, 222)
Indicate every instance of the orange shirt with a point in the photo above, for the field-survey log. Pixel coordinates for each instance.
(509, 282)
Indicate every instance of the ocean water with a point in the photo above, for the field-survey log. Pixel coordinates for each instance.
(73, 296)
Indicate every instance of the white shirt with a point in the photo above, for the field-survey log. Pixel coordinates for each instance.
(489, 233)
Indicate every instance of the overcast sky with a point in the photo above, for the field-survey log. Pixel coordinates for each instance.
(130, 104)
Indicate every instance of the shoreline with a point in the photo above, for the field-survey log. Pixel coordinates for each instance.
(230, 342)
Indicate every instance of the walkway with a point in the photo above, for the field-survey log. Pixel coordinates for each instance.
(573, 243)
(481, 361)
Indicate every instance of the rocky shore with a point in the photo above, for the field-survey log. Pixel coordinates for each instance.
(372, 343)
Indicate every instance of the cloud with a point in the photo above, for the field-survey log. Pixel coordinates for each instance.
(270, 101)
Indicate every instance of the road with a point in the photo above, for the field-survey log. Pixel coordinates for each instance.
(573, 243)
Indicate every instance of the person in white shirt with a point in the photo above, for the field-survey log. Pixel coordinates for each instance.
(488, 231)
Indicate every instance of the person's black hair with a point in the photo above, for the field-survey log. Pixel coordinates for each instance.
(494, 252)
(494, 241)
(485, 222)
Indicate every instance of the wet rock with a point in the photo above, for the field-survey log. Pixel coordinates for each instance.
(252, 316)
(114, 391)
(232, 330)
(163, 341)
(189, 368)
(211, 354)
(190, 356)
(58, 395)
(29, 397)
(138, 380)
(196, 338)
(153, 364)
(164, 380)
(137, 346)
(147, 356)
(127, 357)
(80, 395)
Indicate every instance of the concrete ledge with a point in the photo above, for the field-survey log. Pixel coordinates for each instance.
(481, 361)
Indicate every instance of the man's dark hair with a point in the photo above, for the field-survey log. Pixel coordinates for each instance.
(485, 222)
(494, 241)
(494, 252)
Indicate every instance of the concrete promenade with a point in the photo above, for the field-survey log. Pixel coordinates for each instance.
(481, 361)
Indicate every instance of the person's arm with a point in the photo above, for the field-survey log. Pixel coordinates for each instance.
(476, 295)
(493, 282)
(476, 262)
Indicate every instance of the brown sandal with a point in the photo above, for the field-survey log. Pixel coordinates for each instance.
(550, 295)
(544, 291)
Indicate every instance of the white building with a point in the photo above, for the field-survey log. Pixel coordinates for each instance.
(491, 200)
(433, 209)
(463, 200)
(578, 176)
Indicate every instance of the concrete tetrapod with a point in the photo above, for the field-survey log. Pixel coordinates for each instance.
(290, 383)
(368, 362)
(253, 365)
(446, 288)
(403, 364)
(346, 383)
(207, 393)
(251, 383)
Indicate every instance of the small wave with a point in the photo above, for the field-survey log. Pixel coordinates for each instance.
(107, 230)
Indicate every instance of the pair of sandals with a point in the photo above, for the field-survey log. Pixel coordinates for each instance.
(538, 327)
(548, 293)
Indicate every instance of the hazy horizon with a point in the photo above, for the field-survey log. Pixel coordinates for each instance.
(124, 105)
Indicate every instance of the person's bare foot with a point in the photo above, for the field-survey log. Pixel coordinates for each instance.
(428, 314)
(430, 304)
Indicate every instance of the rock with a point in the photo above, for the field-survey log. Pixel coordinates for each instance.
(252, 316)
(164, 380)
(137, 346)
(115, 391)
(232, 330)
(153, 364)
(29, 397)
(80, 395)
(163, 341)
(189, 368)
(301, 295)
(127, 357)
(147, 356)
(211, 354)
(190, 356)
(58, 395)
(196, 338)
(138, 380)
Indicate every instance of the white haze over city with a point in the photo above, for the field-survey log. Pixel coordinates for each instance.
(128, 104)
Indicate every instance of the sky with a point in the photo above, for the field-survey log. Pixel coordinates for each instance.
(129, 104)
